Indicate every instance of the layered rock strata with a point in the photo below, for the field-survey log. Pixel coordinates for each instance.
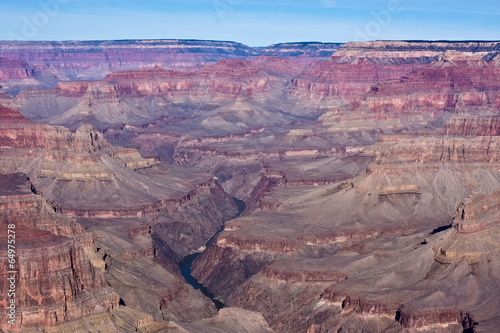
(56, 283)
(375, 252)
(335, 82)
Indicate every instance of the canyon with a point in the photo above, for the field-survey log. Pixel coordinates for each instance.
(203, 186)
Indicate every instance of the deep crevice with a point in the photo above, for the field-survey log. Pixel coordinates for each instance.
(187, 263)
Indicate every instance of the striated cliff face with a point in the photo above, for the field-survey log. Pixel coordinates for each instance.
(217, 98)
(414, 47)
(79, 59)
(371, 182)
(303, 53)
(83, 164)
(311, 49)
(342, 78)
(31, 210)
(375, 252)
(16, 75)
(473, 230)
(462, 143)
(43, 64)
(84, 174)
(357, 67)
(456, 85)
(56, 282)
(15, 70)
(237, 95)
(472, 126)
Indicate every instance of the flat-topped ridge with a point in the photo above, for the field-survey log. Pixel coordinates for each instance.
(437, 46)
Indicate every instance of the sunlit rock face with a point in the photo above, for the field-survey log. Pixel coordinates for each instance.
(231, 95)
(56, 282)
(395, 248)
(370, 179)
(43, 64)
(85, 177)
(356, 67)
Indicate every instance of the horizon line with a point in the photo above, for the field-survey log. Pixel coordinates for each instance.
(235, 42)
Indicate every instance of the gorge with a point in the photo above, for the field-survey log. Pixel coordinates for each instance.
(186, 264)
(205, 186)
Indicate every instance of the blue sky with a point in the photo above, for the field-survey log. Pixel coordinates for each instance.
(252, 22)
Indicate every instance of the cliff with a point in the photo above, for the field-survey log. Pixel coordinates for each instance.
(452, 84)
(226, 95)
(371, 181)
(73, 58)
(375, 252)
(56, 283)
(311, 49)
(59, 162)
(43, 64)
(357, 67)
(422, 46)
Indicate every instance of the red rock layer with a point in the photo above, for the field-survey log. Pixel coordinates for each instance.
(79, 56)
(55, 281)
(418, 152)
(472, 126)
(227, 78)
(450, 84)
(344, 79)
(15, 70)
(9, 115)
(357, 68)
(418, 319)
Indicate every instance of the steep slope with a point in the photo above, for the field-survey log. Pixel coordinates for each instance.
(217, 99)
(374, 252)
(339, 233)
(55, 281)
(43, 64)
(84, 174)
(356, 67)
(456, 83)
(129, 202)
(83, 59)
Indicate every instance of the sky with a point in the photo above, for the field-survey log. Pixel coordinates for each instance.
(251, 22)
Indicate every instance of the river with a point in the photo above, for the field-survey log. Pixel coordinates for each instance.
(187, 263)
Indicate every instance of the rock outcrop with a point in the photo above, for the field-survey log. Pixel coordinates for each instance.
(55, 281)
(356, 69)
(85, 175)
(217, 99)
(310, 49)
(375, 252)
(370, 180)
(43, 64)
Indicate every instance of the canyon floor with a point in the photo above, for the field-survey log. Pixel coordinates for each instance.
(200, 186)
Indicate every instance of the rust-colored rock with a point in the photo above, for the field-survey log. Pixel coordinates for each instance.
(55, 281)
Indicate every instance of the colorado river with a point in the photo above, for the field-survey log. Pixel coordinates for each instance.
(187, 263)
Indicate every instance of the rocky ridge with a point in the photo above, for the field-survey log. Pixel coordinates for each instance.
(396, 220)
(56, 281)
(351, 236)
(51, 62)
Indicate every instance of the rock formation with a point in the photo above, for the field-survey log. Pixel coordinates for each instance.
(84, 176)
(374, 252)
(213, 99)
(43, 64)
(55, 281)
(370, 180)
